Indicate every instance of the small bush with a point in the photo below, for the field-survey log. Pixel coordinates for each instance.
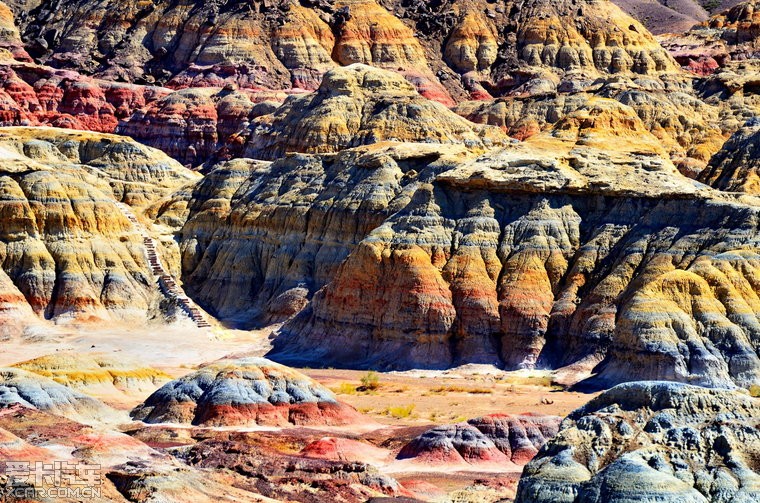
(345, 388)
(462, 389)
(401, 411)
(754, 390)
(370, 381)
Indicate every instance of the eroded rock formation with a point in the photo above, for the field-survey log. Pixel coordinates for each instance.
(359, 105)
(494, 439)
(647, 442)
(35, 391)
(245, 392)
(736, 167)
(67, 252)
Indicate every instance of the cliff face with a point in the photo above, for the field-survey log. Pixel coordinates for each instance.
(650, 441)
(577, 246)
(66, 250)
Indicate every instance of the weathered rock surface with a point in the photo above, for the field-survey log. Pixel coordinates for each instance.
(448, 50)
(729, 35)
(66, 250)
(125, 468)
(33, 95)
(548, 253)
(10, 39)
(359, 105)
(262, 237)
(32, 390)
(291, 477)
(698, 133)
(493, 439)
(190, 125)
(245, 392)
(651, 441)
(736, 167)
(95, 374)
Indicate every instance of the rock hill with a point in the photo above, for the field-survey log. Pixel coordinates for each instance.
(245, 392)
(647, 442)
(67, 251)
(495, 439)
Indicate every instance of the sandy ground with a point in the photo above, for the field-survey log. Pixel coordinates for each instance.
(401, 398)
(450, 396)
(401, 405)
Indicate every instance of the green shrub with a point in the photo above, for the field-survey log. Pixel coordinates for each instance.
(370, 381)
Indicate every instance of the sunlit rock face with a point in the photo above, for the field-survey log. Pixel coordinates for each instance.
(360, 105)
(445, 49)
(650, 441)
(67, 251)
(736, 167)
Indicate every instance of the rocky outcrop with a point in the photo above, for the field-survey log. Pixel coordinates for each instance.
(10, 39)
(292, 477)
(65, 248)
(651, 441)
(736, 167)
(729, 35)
(32, 390)
(550, 253)
(689, 141)
(122, 468)
(245, 392)
(32, 95)
(359, 105)
(495, 439)
(262, 237)
(190, 125)
(448, 50)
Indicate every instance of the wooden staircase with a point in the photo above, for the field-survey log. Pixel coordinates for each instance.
(166, 282)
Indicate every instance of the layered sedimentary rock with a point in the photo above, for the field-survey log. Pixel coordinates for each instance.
(10, 39)
(95, 373)
(548, 253)
(448, 50)
(32, 95)
(496, 439)
(729, 35)
(736, 167)
(647, 442)
(262, 237)
(32, 390)
(359, 105)
(117, 466)
(190, 125)
(67, 251)
(690, 141)
(245, 392)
